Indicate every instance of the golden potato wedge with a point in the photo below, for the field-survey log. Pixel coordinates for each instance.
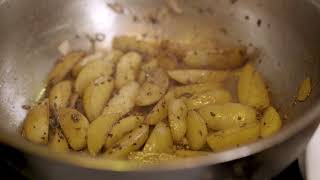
(123, 102)
(217, 96)
(153, 89)
(195, 89)
(160, 110)
(147, 69)
(127, 68)
(188, 153)
(60, 94)
(160, 140)
(304, 89)
(229, 115)
(84, 61)
(196, 130)
(270, 122)
(58, 143)
(252, 90)
(36, 124)
(98, 130)
(149, 94)
(113, 56)
(192, 76)
(234, 137)
(96, 96)
(131, 43)
(74, 126)
(63, 67)
(123, 127)
(150, 158)
(218, 59)
(118, 106)
(129, 143)
(90, 73)
(177, 112)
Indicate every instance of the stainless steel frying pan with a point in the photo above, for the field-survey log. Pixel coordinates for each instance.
(286, 32)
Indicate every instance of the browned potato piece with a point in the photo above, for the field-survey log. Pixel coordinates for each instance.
(58, 142)
(60, 94)
(252, 90)
(98, 130)
(218, 59)
(153, 89)
(123, 127)
(90, 73)
(229, 115)
(191, 76)
(36, 124)
(304, 89)
(131, 43)
(218, 96)
(160, 140)
(123, 101)
(234, 137)
(129, 143)
(160, 110)
(64, 66)
(96, 96)
(196, 130)
(127, 69)
(195, 89)
(118, 106)
(113, 56)
(270, 122)
(147, 69)
(84, 61)
(177, 112)
(74, 126)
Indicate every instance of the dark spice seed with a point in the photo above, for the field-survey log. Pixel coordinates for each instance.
(200, 132)
(26, 107)
(134, 144)
(212, 114)
(75, 117)
(259, 22)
